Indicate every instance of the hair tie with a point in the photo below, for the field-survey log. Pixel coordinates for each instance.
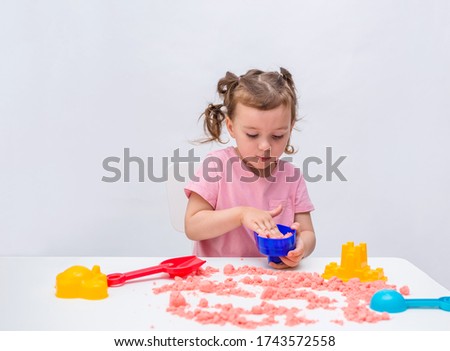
(216, 111)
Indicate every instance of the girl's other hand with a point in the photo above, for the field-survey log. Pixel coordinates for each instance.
(261, 221)
(293, 257)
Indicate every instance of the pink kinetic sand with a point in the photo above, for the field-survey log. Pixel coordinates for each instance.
(272, 285)
(404, 290)
(277, 235)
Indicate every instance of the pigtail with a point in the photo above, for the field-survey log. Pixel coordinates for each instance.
(212, 125)
(287, 76)
(215, 114)
(226, 87)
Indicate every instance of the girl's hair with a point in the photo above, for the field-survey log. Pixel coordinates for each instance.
(257, 89)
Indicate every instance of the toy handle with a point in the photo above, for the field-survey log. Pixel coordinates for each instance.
(118, 279)
(422, 303)
(144, 272)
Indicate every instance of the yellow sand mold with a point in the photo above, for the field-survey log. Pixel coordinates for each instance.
(81, 282)
(353, 265)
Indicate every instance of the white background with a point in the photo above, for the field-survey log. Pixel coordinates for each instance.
(83, 80)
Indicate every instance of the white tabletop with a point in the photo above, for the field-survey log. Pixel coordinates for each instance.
(28, 302)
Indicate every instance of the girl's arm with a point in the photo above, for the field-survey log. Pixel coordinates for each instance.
(203, 222)
(306, 241)
(303, 223)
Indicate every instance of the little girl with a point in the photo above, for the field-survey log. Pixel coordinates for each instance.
(248, 188)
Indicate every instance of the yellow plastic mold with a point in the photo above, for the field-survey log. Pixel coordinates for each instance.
(353, 265)
(81, 282)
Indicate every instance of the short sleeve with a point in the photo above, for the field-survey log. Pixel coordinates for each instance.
(206, 180)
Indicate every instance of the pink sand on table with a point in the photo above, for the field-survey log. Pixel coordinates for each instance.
(277, 286)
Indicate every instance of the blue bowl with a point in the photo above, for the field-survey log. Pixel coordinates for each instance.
(274, 248)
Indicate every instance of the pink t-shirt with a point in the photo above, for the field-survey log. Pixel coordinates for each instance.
(224, 181)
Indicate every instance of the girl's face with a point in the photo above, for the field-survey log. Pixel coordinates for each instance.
(261, 136)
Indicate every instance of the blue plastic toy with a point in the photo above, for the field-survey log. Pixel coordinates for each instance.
(392, 301)
(276, 247)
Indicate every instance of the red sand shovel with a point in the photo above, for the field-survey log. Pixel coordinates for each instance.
(175, 267)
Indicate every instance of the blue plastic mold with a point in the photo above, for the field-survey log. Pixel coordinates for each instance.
(274, 248)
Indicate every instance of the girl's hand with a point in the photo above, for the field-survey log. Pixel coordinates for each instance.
(293, 257)
(261, 221)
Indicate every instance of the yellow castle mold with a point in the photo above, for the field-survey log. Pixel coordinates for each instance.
(81, 282)
(353, 265)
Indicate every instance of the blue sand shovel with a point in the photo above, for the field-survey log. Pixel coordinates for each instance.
(392, 301)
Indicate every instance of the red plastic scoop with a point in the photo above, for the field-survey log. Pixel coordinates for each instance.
(179, 266)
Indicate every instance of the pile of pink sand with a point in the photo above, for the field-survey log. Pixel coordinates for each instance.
(277, 286)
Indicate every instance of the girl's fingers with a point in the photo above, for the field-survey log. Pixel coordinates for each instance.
(285, 263)
(295, 252)
(289, 262)
(268, 227)
(261, 230)
(278, 265)
(256, 228)
(271, 229)
(295, 226)
(276, 211)
(293, 257)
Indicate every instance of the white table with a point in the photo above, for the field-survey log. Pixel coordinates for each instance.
(28, 302)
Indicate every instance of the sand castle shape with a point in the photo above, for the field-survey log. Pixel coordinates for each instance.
(353, 265)
(81, 282)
